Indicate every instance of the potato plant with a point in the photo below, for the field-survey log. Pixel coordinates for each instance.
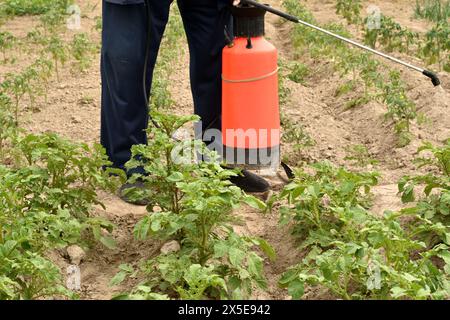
(437, 46)
(45, 205)
(360, 156)
(52, 21)
(283, 91)
(314, 197)
(195, 201)
(7, 41)
(8, 127)
(433, 10)
(298, 72)
(350, 10)
(401, 110)
(33, 7)
(44, 69)
(434, 204)
(81, 49)
(295, 134)
(36, 37)
(27, 83)
(351, 253)
(391, 36)
(58, 51)
(16, 85)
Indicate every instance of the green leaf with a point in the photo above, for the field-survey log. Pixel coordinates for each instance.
(108, 241)
(220, 249)
(255, 202)
(296, 289)
(255, 265)
(141, 229)
(398, 292)
(408, 194)
(175, 177)
(287, 277)
(236, 256)
(118, 278)
(267, 249)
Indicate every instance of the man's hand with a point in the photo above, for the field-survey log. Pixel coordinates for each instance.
(236, 2)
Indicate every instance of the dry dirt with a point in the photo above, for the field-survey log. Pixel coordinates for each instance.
(73, 110)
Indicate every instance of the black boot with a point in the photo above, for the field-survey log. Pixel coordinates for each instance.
(123, 194)
(250, 182)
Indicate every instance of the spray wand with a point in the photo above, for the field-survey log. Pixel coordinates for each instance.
(434, 78)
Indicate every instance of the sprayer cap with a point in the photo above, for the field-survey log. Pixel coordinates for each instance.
(248, 21)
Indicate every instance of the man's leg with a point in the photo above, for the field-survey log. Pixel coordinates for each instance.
(124, 114)
(204, 22)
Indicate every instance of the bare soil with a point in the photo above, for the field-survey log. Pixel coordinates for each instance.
(73, 110)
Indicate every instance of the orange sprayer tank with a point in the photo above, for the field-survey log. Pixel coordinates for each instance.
(250, 106)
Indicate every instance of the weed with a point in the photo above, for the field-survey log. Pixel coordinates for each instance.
(360, 156)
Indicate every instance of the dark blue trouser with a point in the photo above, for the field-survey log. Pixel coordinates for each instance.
(124, 115)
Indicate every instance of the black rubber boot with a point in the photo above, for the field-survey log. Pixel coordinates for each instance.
(123, 194)
(250, 182)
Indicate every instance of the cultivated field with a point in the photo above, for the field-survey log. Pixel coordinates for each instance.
(367, 216)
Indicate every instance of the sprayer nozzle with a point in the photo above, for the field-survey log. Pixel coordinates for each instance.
(434, 78)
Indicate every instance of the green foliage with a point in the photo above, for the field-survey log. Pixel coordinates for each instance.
(391, 36)
(230, 273)
(98, 23)
(7, 41)
(17, 85)
(45, 205)
(351, 253)
(195, 201)
(298, 72)
(376, 264)
(8, 127)
(81, 49)
(294, 133)
(433, 10)
(58, 51)
(52, 20)
(25, 274)
(44, 68)
(59, 174)
(283, 91)
(434, 205)
(350, 10)
(316, 199)
(33, 7)
(401, 110)
(363, 69)
(32, 81)
(360, 156)
(36, 37)
(437, 45)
